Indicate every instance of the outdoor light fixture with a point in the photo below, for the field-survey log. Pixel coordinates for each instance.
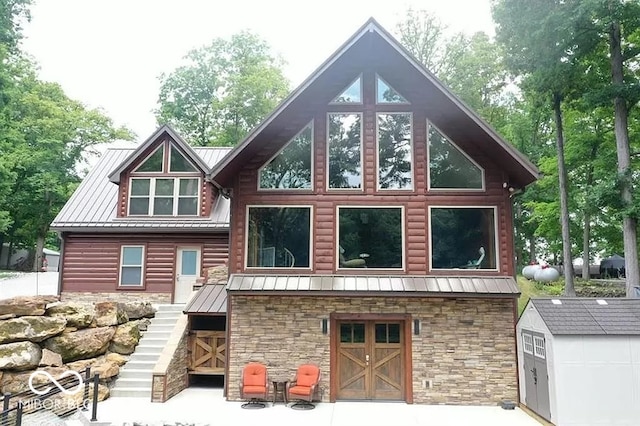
(325, 326)
(416, 326)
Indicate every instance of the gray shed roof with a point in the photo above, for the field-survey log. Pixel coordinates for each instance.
(92, 207)
(590, 316)
(210, 299)
(409, 284)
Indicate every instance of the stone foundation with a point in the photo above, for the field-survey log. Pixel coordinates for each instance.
(465, 349)
(120, 296)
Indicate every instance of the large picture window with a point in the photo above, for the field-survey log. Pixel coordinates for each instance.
(279, 237)
(450, 167)
(164, 196)
(291, 167)
(394, 151)
(370, 237)
(131, 266)
(463, 238)
(345, 151)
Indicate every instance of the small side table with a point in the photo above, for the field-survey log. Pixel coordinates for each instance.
(280, 391)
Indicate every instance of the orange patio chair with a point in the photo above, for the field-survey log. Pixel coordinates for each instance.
(303, 387)
(254, 385)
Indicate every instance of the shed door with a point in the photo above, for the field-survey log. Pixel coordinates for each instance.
(187, 271)
(370, 360)
(536, 375)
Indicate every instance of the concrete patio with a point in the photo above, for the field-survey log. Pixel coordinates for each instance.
(207, 406)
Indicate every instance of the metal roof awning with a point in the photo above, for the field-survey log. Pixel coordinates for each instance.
(408, 285)
(210, 299)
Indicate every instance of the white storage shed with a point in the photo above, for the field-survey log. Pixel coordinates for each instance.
(579, 360)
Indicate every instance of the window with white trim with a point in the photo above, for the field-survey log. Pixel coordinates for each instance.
(131, 266)
(394, 150)
(291, 167)
(165, 196)
(539, 349)
(344, 147)
(527, 343)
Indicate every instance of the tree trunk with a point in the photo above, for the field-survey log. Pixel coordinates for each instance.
(567, 259)
(586, 234)
(37, 262)
(532, 249)
(629, 223)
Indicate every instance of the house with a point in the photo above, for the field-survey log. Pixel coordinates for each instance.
(579, 360)
(144, 223)
(371, 233)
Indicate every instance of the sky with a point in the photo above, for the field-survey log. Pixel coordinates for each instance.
(109, 54)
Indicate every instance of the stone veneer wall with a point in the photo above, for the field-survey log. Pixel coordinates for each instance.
(466, 347)
(120, 296)
(170, 374)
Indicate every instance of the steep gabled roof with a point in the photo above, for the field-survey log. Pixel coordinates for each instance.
(589, 316)
(92, 207)
(162, 131)
(517, 165)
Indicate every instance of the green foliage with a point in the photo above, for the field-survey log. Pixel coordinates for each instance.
(224, 90)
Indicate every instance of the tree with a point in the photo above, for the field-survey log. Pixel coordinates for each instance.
(224, 90)
(536, 37)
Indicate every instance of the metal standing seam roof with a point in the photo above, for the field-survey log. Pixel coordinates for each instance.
(93, 204)
(210, 299)
(587, 316)
(410, 284)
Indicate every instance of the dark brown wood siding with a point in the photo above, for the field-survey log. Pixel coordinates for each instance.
(416, 203)
(91, 261)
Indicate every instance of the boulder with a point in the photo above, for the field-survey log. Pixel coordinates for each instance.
(26, 305)
(76, 400)
(110, 313)
(126, 338)
(118, 359)
(143, 324)
(137, 310)
(106, 368)
(86, 343)
(32, 328)
(50, 359)
(78, 315)
(14, 382)
(19, 356)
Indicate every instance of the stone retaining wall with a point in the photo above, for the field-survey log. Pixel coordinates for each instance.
(170, 374)
(465, 349)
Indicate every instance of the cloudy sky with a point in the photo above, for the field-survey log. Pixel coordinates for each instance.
(110, 53)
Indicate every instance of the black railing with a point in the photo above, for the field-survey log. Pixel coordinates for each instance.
(15, 406)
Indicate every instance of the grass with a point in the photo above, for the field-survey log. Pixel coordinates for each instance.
(7, 274)
(531, 289)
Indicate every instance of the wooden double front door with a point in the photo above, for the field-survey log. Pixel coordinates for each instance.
(370, 360)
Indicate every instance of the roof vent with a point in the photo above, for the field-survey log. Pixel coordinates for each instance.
(556, 301)
(601, 302)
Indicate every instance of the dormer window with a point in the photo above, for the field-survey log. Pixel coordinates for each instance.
(165, 184)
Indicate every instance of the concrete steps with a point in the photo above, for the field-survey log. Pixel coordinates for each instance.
(135, 376)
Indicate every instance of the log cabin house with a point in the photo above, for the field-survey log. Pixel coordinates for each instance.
(370, 233)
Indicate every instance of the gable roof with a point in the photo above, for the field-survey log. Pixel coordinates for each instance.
(585, 316)
(163, 130)
(92, 207)
(520, 169)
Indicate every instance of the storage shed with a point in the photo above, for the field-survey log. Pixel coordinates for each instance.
(579, 360)
(53, 259)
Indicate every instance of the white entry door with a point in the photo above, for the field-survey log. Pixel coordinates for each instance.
(187, 271)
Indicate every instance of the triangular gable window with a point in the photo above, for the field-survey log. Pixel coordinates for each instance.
(449, 167)
(385, 94)
(178, 162)
(153, 163)
(291, 167)
(351, 95)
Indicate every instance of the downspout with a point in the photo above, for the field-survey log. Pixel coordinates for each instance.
(61, 236)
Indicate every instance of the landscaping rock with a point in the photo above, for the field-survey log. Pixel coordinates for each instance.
(118, 359)
(106, 368)
(19, 356)
(31, 328)
(81, 344)
(14, 382)
(78, 315)
(26, 305)
(110, 313)
(137, 310)
(50, 359)
(125, 339)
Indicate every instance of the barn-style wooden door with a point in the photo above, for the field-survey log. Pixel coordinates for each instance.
(370, 358)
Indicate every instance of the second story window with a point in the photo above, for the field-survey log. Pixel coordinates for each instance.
(345, 151)
(166, 183)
